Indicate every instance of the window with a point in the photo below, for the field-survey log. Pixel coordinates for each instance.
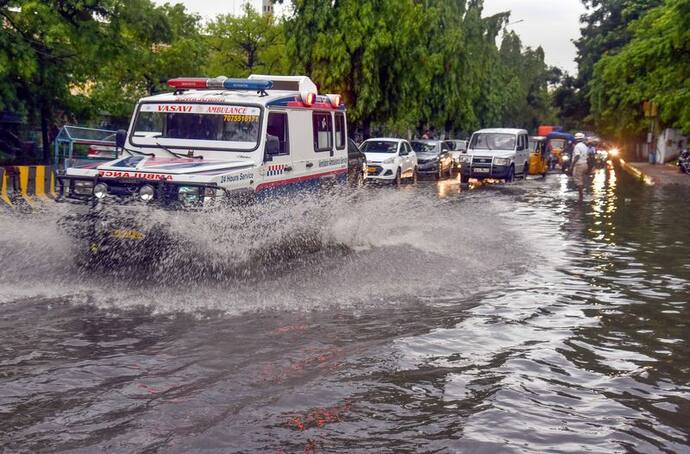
(340, 138)
(277, 140)
(323, 131)
(231, 127)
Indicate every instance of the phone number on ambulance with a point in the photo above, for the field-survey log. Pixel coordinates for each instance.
(241, 118)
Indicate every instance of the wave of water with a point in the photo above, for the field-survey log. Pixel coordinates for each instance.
(306, 251)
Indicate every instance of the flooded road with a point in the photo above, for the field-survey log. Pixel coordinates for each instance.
(426, 319)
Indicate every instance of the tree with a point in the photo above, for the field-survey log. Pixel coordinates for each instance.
(48, 47)
(371, 51)
(652, 66)
(242, 45)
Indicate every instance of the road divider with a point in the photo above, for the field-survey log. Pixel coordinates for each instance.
(26, 185)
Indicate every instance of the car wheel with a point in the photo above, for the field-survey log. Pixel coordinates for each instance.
(398, 178)
(511, 175)
(415, 176)
(439, 175)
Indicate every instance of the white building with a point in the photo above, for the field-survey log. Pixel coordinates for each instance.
(669, 145)
(266, 7)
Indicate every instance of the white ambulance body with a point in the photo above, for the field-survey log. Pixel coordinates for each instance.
(218, 137)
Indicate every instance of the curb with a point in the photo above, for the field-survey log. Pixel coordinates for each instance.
(26, 185)
(637, 173)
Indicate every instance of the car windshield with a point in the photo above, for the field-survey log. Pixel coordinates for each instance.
(493, 141)
(380, 146)
(424, 147)
(221, 126)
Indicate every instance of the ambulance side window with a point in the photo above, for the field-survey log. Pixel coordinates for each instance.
(323, 131)
(277, 139)
(340, 140)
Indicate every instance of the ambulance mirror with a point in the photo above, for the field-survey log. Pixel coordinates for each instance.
(120, 137)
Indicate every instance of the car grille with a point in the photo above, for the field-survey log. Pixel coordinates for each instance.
(482, 161)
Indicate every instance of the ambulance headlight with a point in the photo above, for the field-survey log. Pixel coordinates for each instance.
(188, 195)
(83, 187)
(146, 193)
(100, 190)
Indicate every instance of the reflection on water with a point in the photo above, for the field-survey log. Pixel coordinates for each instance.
(510, 318)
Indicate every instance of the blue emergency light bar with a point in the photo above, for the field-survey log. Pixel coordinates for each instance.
(220, 83)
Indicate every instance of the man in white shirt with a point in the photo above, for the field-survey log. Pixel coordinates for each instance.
(579, 168)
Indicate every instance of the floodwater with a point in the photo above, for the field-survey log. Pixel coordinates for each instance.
(426, 319)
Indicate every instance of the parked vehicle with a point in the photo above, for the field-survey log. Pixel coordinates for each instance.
(434, 158)
(684, 161)
(390, 160)
(456, 148)
(538, 157)
(496, 154)
(356, 164)
(214, 141)
(103, 151)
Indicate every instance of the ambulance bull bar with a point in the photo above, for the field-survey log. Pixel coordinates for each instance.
(166, 194)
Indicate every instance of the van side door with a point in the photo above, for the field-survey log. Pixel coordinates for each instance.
(278, 163)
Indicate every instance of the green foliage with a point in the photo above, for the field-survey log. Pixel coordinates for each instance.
(242, 45)
(653, 66)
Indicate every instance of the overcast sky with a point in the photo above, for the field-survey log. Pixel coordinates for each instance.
(552, 24)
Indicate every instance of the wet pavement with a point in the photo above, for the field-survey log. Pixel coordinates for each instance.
(508, 318)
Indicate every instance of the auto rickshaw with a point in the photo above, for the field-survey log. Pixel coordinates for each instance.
(559, 146)
(538, 157)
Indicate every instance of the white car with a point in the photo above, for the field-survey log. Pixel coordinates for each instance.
(390, 159)
(499, 154)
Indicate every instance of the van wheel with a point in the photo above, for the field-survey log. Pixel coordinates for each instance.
(511, 175)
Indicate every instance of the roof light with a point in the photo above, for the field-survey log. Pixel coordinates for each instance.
(246, 84)
(187, 82)
(219, 83)
(335, 100)
(308, 99)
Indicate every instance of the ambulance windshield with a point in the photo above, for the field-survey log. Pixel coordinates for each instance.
(211, 126)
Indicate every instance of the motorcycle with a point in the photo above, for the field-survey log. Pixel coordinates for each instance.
(684, 162)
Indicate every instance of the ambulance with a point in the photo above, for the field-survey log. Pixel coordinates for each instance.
(216, 139)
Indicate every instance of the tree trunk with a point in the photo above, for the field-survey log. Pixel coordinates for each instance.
(366, 128)
(45, 131)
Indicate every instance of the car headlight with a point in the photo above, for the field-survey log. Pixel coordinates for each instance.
(83, 187)
(146, 193)
(189, 195)
(100, 190)
(389, 161)
(502, 161)
(465, 159)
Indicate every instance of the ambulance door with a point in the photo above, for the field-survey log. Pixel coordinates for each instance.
(323, 141)
(304, 160)
(340, 124)
(278, 161)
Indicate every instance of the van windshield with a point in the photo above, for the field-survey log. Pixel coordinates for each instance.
(493, 141)
(223, 126)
